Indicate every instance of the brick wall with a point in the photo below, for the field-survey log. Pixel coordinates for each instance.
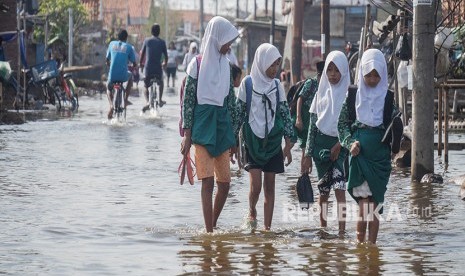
(8, 23)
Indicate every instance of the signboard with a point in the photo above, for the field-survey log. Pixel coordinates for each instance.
(422, 3)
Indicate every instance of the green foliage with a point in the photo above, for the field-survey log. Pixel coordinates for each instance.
(57, 14)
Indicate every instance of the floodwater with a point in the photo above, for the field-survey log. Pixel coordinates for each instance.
(82, 196)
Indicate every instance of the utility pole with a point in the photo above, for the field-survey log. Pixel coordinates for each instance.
(70, 37)
(237, 9)
(296, 60)
(423, 89)
(254, 9)
(166, 20)
(201, 21)
(325, 41)
(266, 8)
(272, 23)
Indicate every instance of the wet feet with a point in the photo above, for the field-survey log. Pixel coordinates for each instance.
(110, 114)
(252, 223)
(145, 108)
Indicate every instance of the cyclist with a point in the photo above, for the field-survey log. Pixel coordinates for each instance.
(119, 53)
(154, 47)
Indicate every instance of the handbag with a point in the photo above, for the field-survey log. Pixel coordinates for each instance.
(304, 190)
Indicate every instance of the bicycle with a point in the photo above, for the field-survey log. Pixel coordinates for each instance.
(41, 75)
(38, 77)
(119, 106)
(153, 102)
(66, 88)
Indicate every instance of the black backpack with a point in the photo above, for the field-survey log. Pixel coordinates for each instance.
(388, 102)
(293, 96)
(393, 126)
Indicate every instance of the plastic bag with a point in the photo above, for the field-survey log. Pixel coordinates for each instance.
(402, 74)
(304, 191)
(403, 50)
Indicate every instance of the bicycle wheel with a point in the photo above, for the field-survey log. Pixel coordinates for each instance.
(57, 95)
(74, 97)
(153, 96)
(118, 104)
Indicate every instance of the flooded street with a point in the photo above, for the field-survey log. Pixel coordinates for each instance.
(81, 196)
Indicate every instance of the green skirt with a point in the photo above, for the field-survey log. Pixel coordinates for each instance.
(213, 129)
(321, 154)
(372, 164)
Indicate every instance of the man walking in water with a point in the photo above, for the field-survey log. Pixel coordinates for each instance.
(152, 51)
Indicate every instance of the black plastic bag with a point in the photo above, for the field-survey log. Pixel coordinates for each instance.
(304, 190)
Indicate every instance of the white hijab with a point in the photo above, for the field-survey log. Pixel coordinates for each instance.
(265, 56)
(369, 102)
(192, 46)
(330, 97)
(214, 81)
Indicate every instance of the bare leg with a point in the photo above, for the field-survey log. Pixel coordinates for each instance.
(362, 216)
(146, 96)
(110, 101)
(269, 189)
(254, 193)
(323, 202)
(373, 225)
(220, 200)
(341, 209)
(128, 91)
(161, 93)
(207, 205)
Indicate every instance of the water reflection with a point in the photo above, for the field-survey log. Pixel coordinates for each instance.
(369, 259)
(208, 254)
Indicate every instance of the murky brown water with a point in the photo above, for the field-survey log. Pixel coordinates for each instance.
(79, 196)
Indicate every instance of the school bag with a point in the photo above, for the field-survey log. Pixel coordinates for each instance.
(198, 59)
(248, 102)
(249, 90)
(293, 96)
(394, 127)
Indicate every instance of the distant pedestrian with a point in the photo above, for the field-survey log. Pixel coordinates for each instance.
(172, 64)
(190, 55)
(209, 116)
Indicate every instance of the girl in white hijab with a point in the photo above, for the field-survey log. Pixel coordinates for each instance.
(370, 159)
(190, 55)
(209, 116)
(322, 140)
(264, 126)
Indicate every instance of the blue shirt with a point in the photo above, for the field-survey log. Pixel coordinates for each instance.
(119, 53)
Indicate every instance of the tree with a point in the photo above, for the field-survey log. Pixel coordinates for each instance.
(57, 14)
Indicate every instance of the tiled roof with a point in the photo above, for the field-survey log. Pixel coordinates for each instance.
(138, 10)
